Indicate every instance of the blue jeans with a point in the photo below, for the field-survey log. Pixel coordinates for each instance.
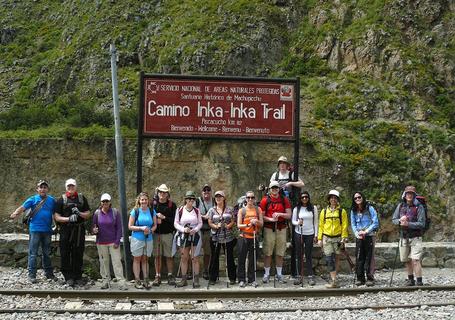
(37, 239)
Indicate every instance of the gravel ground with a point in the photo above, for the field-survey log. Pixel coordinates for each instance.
(17, 279)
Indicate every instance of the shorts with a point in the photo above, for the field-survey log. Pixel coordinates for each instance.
(141, 248)
(331, 245)
(206, 237)
(274, 240)
(164, 241)
(411, 249)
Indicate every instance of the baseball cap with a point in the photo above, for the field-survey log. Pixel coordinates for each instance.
(42, 181)
(189, 194)
(207, 186)
(70, 182)
(274, 184)
(220, 193)
(106, 196)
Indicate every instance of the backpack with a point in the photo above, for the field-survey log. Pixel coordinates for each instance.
(244, 212)
(115, 214)
(423, 202)
(80, 199)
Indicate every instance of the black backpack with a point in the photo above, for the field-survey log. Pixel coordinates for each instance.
(423, 202)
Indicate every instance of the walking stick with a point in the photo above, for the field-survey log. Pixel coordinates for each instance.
(192, 257)
(274, 278)
(180, 263)
(395, 261)
(225, 259)
(357, 258)
(254, 252)
(302, 255)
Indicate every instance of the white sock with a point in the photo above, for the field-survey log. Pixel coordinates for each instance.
(266, 271)
(279, 270)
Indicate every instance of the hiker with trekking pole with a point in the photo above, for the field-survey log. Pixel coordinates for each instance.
(332, 234)
(364, 224)
(305, 219)
(188, 223)
(410, 216)
(221, 221)
(142, 223)
(249, 222)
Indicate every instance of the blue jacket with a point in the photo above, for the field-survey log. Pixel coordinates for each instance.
(367, 221)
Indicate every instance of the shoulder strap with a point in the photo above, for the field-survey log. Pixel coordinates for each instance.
(114, 215)
(80, 199)
(180, 212)
(277, 174)
(65, 199)
(136, 215)
(243, 213)
(325, 211)
(340, 216)
(38, 207)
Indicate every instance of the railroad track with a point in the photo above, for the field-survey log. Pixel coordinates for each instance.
(196, 294)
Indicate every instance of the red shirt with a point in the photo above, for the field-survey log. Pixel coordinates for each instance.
(278, 204)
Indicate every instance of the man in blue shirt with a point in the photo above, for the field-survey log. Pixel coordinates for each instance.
(42, 208)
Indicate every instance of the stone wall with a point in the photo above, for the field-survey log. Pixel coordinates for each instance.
(14, 250)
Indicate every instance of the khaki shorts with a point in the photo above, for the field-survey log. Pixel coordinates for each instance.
(141, 248)
(274, 240)
(206, 241)
(411, 249)
(164, 241)
(331, 245)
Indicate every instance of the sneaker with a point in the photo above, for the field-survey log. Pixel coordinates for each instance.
(266, 279)
(32, 279)
(332, 285)
(51, 277)
(171, 280)
(419, 283)
(146, 284)
(254, 284)
(212, 282)
(138, 284)
(80, 282)
(298, 281)
(122, 285)
(196, 281)
(232, 282)
(409, 283)
(156, 282)
(205, 275)
(242, 284)
(280, 279)
(311, 281)
(182, 283)
(105, 285)
(370, 283)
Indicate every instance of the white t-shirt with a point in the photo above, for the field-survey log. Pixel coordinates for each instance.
(310, 221)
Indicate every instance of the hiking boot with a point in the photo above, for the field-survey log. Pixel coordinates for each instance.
(266, 279)
(156, 282)
(410, 283)
(370, 283)
(171, 280)
(298, 281)
(183, 282)
(205, 275)
(419, 283)
(254, 284)
(280, 279)
(311, 281)
(32, 279)
(70, 282)
(232, 282)
(242, 284)
(196, 281)
(212, 282)
(138, 284)
(51, 276)
(360, 282)
(80, 282)
(333, 284)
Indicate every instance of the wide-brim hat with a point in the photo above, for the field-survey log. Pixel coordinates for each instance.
(163, 188)
(333, 192)
(283, 159)
(190, 194)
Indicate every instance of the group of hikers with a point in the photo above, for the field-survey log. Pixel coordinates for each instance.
(205, 226)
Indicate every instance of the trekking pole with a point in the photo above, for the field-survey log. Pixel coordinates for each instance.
(210, 261)
(357, 258)
(302, 255)
(395, 261)
(225, 259)
(274, 278)
(146, 276)
(192, 257)
(254, 253)
(180, 263)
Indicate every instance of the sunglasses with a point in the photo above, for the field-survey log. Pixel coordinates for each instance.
(357, 198)
(206, 190)
(274, 187)
(305, 197)
(250, 198)
(104, 201)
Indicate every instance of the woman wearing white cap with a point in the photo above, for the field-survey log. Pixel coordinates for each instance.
(332, 233)
(107, 225)
(221, 222)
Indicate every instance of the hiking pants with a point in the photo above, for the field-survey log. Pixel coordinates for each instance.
(215, 259)
(365, 256)
(246, 248)
(72, 244)
(307, 245)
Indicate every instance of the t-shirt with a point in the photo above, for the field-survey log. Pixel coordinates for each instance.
(221, 235)
(145, 219)
(310, 221)
(167, 225)
(42, 220)
(191, 218)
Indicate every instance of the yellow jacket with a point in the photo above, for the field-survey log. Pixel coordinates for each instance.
(330, 225)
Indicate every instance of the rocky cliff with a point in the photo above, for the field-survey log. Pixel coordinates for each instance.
(377, 93)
